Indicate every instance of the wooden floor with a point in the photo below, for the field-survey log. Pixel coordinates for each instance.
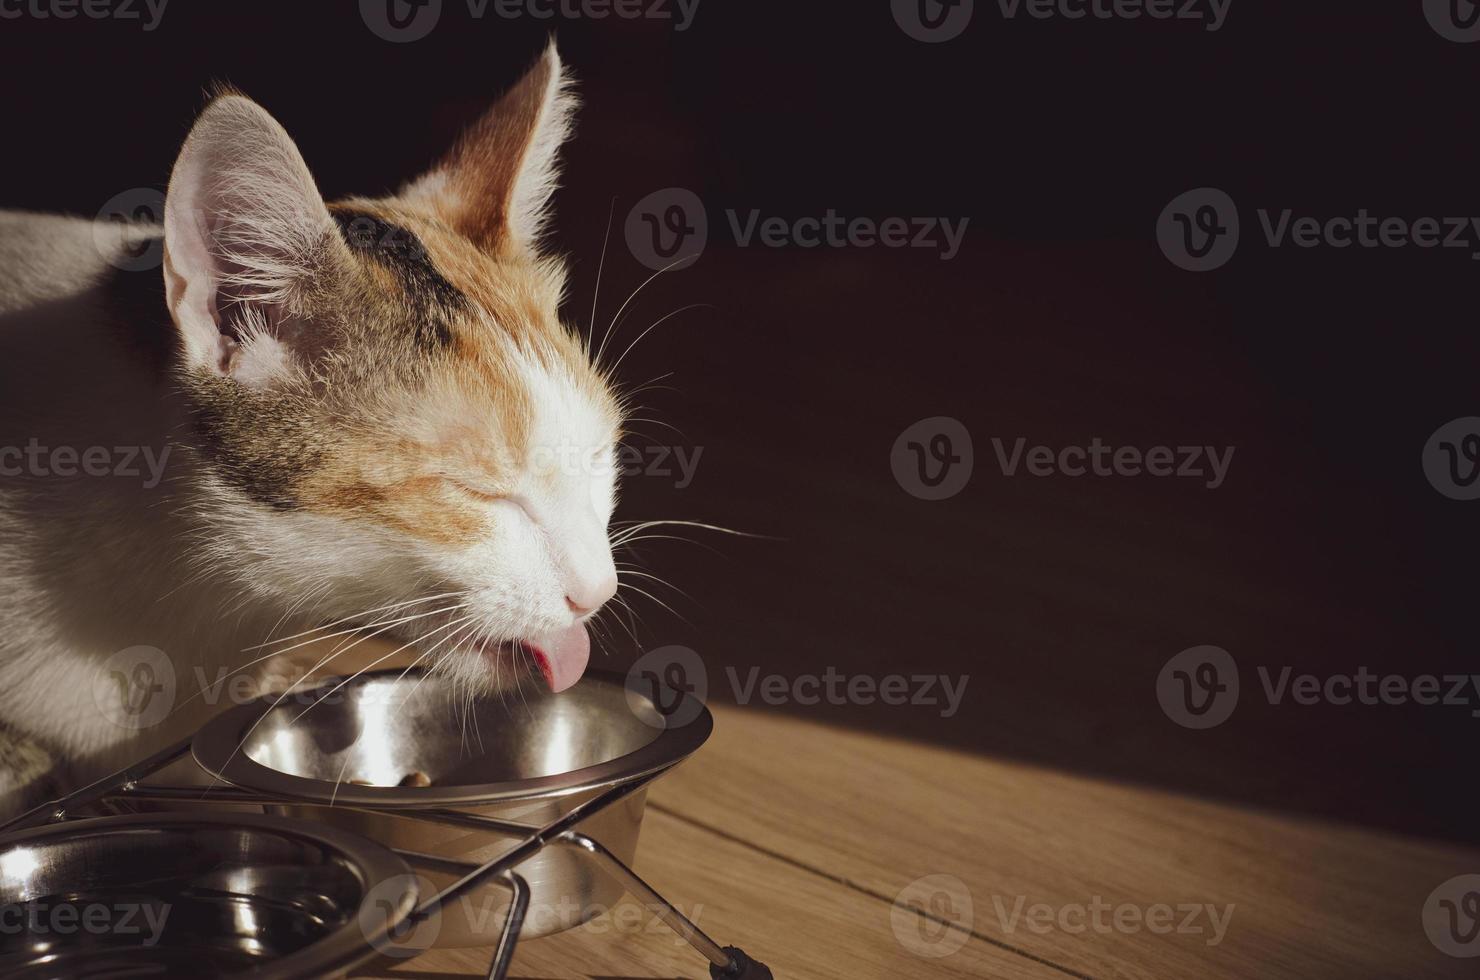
(807, 845)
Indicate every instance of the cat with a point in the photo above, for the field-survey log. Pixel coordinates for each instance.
(366, 413)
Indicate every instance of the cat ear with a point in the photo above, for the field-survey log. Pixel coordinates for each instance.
(246, 233)
(495, 185)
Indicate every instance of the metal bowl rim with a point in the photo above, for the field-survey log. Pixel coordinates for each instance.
(342, 949)
(214, 748)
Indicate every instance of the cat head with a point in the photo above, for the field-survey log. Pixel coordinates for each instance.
(392, 424)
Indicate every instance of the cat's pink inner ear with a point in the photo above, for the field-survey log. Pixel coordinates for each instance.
(245, 230)
(494, 186)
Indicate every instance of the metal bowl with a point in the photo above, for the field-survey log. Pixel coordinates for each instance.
(528, 758)
(195, 895)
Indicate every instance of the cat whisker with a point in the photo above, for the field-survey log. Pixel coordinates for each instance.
(643, 525)
(528, 659)
(469, 622)
(309, 673)
(293, 607)
(650, 385)
(275, 653)
(348, 619)
(642, 592)
(339, 778)
(457, 637)
(682, 309)
(653, 578)
(622, 309)
(379, 660)
(667, 425)
(628, 542)
(596, 291)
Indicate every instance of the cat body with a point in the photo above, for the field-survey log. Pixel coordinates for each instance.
(363, 415)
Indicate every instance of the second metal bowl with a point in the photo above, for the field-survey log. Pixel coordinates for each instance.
(196, 895)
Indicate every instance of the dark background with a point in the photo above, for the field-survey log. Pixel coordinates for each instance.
(1060, 321)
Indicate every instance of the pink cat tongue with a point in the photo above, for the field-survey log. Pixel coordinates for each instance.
(562, 656)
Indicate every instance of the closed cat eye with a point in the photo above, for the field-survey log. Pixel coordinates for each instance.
(474, 492)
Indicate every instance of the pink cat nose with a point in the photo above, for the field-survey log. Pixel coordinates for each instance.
(587, 597)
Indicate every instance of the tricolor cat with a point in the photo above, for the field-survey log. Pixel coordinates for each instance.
(370, 414)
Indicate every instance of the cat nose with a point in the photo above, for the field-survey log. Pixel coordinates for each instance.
(585, 598)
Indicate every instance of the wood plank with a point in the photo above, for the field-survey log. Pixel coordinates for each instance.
(1307, 899)
(804, 926)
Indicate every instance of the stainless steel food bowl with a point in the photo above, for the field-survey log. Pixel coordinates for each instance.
(195, 895)
(528, 758)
